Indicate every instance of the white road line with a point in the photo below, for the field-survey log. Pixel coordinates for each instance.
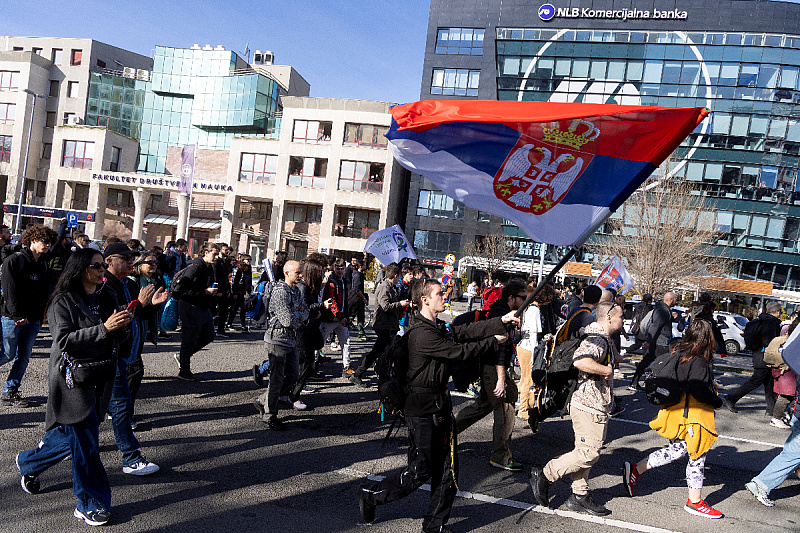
(621, 524)
(738, 439)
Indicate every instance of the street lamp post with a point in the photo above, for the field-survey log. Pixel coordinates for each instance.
(25, 165)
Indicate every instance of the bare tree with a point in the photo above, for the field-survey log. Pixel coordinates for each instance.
(489, 253)
(665, 236)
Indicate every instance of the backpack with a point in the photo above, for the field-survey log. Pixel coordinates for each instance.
(391, 368)
(661, 385)
(490, 296)
(752, 335)
(179, 283)
(772, 355)
(644, 325)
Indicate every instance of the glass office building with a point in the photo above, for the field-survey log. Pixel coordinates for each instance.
(740, 59)
(201, 96)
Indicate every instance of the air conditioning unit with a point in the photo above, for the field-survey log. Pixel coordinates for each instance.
(74, 120)
(129, 72)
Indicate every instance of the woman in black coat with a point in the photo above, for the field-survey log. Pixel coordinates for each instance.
(85, 325)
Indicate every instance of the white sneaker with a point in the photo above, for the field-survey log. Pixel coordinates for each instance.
(177, 358)
(778, 423)
(299, 406)
(760, 494)
(142, 467)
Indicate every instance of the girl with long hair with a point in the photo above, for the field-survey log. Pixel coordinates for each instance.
(86, 327)
(689, 424)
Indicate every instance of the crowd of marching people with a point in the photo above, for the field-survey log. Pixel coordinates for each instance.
(526, 353)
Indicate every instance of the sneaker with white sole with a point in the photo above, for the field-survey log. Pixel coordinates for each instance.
(96, 517)
(760, 494)
(177, 358)
(630, 475)
(778, 423)
(29, 483)
(701, 508)
(299, 406)
(142, 467)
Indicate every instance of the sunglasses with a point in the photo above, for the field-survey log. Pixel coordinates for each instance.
(99, 266)
(523, 296)
(153, 263)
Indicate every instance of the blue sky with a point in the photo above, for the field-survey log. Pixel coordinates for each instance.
(345, 49)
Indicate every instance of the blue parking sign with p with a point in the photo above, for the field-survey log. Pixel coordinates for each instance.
(72, 220)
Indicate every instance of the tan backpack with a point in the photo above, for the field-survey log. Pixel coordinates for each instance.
(772, 355)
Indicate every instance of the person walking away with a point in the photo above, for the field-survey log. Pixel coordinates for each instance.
(357, 299)
(785, 379)
(589, 409)
(241, 287)
(657, 337)
(195, 299)
(387, 320)
(472, 291)
(222, 272)
(287, 313)
(689, 424)
(85, 324)
(334, 320)
(433, 446)
(57, 256)
(23, 277)
(498, 393)
(639, 312)
(531, 330)
(768, 327)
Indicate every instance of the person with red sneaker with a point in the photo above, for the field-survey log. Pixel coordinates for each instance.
(689, 424)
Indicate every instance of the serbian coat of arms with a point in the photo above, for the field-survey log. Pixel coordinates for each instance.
(538, 173)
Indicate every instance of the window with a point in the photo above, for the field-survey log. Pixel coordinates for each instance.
(77, 55)
(258, 168)
(458, 82)
(307, 172)
(78, 154)
(5, 148)
(37, 51)
(34, 189)
(53, 88)
(311, 214)
(72, 89)
(17, 49)
(101, 63)
(120, 198)
(460, 41)
(47, 150)
(51, 119)
(57, 55)
(9, 81)
(256, 210)
(437, 204)
(483, 216)
(365, 135)
(154, 203)
(361, 177)
(7, 112)
(297, 250)
(436, 244)
(312, 131)
(114, 164)
(356, 223)
(80, 196)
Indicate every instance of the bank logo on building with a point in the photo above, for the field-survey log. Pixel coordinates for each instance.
(547, 12)
(538, 187)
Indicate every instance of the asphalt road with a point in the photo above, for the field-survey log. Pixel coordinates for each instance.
(222, 470)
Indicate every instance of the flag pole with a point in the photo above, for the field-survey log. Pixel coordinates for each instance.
(564, 260)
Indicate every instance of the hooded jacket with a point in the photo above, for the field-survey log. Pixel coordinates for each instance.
(24, 282)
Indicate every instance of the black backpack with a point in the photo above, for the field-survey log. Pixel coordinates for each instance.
(753, 339)
(392, 371)
(661, 385)
(179, 284)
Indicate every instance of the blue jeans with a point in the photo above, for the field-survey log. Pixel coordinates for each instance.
(17, 346)
(784, 464)
(121, 409)
(89, 480)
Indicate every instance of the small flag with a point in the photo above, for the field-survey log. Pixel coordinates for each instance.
(389, 245)
(615, 276)
(556, 170)
(187, 169)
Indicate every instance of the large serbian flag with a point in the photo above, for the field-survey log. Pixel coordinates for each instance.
(554, 169)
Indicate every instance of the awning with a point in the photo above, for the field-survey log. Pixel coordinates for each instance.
(194, 223)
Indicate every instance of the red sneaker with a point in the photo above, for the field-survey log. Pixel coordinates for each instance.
(630, 475)
(702, 508)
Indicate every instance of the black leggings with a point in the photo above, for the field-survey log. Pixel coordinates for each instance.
(237, 303)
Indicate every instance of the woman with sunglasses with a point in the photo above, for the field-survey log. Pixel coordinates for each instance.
(86, 325)
(144, 273)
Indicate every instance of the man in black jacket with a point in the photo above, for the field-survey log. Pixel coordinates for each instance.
(498, 391)
(222, 272)
(432, 344)
(769, 327)
(639, 312)
(24, 282)
(658, 336)
(195, 297)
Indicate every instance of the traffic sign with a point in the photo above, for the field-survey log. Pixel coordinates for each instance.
(72, 220)
(450, 259)
(448, 270)
(445, 279)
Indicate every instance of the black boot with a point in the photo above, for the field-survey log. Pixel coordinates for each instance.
(585, 504)
(540, 486)
(367, 509)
